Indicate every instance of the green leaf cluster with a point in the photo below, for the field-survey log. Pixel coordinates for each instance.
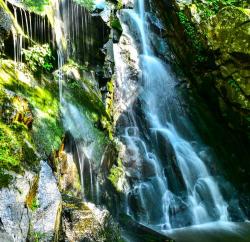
(193, 36)
(35, 6)
(234, 85)
(39, 57)
(34, 204)
(211, 7)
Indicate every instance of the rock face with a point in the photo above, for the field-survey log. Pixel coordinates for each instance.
(5, 26)
(45, 220)
(16, 109)
(14, 215)
(85, 222)
(233, 43)
(215, 55)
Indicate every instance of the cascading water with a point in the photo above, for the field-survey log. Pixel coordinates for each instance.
(74, 41)
(169, 184)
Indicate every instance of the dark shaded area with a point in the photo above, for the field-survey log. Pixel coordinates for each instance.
(136, 232)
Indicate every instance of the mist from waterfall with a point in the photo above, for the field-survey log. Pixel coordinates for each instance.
(73, 36)
(169, 183)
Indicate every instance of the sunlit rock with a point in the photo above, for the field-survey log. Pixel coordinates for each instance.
(14, 215)
(46, 218)
(85, 222)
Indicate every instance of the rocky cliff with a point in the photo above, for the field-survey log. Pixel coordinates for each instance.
(215, 55)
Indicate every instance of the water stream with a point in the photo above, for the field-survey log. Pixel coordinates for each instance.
(169, 183)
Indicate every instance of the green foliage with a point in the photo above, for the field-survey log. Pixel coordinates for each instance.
(10, 149)
(34, 204)
(193, 37)
(119, 4)
(46, 134)
(39, 57)
(89, 4)
(234, 85)
(5, 179)
(73, 84)
(209, 8)
(116, 172)
(36, 6)
(37, 236)
(43, 99)
(115, 23)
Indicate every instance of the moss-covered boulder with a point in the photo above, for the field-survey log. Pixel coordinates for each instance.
(232, 42)
(85, 222)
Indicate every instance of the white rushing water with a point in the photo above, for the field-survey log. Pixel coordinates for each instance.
(151, 199)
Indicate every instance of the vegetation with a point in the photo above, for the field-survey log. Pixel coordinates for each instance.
(116, 173)
(115, 23)
(46, 131)
(5, 179)
(193, 36)
(34, 204)
(39, 57)
(211, 7)
(119, 4)
(35, 6)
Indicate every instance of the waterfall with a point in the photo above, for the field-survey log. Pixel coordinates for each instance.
(74, 42)
(170, 185)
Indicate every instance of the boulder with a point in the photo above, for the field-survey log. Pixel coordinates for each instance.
(232, 41)
(14, 215)
(46, 219)
(69, 176)
(83, 221)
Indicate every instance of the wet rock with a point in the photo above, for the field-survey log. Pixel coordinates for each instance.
(128, 3)
(85, 222)
(69, 178)
(148, 168)
(139, 232)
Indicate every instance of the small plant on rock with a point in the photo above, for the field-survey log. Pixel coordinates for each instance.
(39, 58)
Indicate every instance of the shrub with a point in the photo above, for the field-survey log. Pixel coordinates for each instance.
(39, 57)
(37, 5)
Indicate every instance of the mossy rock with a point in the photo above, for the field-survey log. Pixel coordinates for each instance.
(85, 222)
(229, 31)
(34, 104)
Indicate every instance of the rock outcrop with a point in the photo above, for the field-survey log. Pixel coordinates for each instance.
(215, 55)
(14, 214)
(83, 221)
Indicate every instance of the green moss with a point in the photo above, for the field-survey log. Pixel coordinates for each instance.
(209, 8)
(11, 149)
(119, 4)
(116, 173)
(193, 36)
(43, 98)
(34, 204)
(115, 23)
(5, 179)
